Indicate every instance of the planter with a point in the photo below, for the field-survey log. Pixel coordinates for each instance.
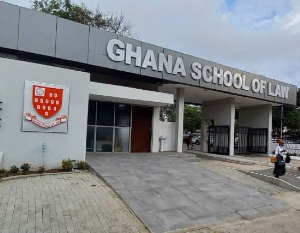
(67, 168)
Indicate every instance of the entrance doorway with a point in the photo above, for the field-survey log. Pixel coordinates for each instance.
(141, 129)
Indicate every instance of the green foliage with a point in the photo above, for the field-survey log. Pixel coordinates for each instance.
(67, 165)
(292, 120)
(291, 116)
(2, 173)
(25, 167)
(298, 97)
(168, 112)
(41, 169)
(81, 165)
(14, 169)
(66, 9)
(192, 118)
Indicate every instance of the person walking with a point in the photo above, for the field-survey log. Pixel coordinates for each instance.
(188, 141)
(282, 159)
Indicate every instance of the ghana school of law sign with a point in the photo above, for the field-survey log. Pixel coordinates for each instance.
(119, 51)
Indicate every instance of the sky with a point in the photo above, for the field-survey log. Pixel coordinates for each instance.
(259, 36)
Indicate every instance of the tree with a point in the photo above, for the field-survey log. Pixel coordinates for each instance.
(290, 116)
(192, 116)
(66, 9)
(292, 120)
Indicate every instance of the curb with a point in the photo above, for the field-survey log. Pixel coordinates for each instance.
(279, 182)
(270, 179)
(234, 159)
(34, 175)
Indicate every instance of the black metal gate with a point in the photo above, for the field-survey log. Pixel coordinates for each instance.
(218, 140)
(250, 140)
(258, 140)
(241, 143)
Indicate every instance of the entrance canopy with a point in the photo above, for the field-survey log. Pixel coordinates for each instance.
(35, 35)
(195, 95)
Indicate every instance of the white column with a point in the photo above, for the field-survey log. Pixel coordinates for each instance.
(231, 126)
(203, 145)
(179, 118)
(270, 125)
(155, 130)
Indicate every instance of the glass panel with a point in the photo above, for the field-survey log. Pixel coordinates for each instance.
(92, 112)
(105, 113)
(122, 139)
(104, 139)
(90, 139)
(123, 115)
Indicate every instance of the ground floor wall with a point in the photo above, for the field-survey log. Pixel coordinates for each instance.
(19, 146)
(167, 130)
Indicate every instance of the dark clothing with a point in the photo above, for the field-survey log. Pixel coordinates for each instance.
(279, 169)
(188, 141)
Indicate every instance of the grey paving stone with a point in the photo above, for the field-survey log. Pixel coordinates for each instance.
(248, 213)
(206, 220)
(162, 203)
(145, 193)
(188, 195)
(174, 219)
(195, 211)
(167, 191)
(150, 219)
(266, 209)
(236, 204)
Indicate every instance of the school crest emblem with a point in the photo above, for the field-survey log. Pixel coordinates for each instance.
(46, 104)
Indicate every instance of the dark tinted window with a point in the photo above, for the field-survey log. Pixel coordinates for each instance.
(90, 138)
(92, 112)
(123, 115)
(104, 139)
(105, 113)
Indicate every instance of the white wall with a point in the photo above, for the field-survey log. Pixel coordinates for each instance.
(155, 130)
(256, 117)
(20, 147)
(168, 130)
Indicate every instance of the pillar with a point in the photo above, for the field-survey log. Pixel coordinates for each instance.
(231, 126)
(155, 130)
(203, 144)
(179, 118)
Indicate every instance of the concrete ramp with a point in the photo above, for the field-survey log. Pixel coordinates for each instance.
(167, 193)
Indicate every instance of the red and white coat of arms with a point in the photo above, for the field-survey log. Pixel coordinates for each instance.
(47, 102)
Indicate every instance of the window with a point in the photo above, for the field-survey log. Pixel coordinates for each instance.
(104, 139)
(123, 115)
(105, 114)
(109, 127)
(122, 139)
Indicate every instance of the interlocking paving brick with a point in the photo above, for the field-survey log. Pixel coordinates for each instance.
(77, 202)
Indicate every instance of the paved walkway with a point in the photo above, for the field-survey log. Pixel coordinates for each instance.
(260, 165)
(77, 202)
(169, 193)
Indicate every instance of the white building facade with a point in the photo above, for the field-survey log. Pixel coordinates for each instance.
(67, 89)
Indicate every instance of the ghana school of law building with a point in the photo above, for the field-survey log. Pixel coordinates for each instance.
(68, 89)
